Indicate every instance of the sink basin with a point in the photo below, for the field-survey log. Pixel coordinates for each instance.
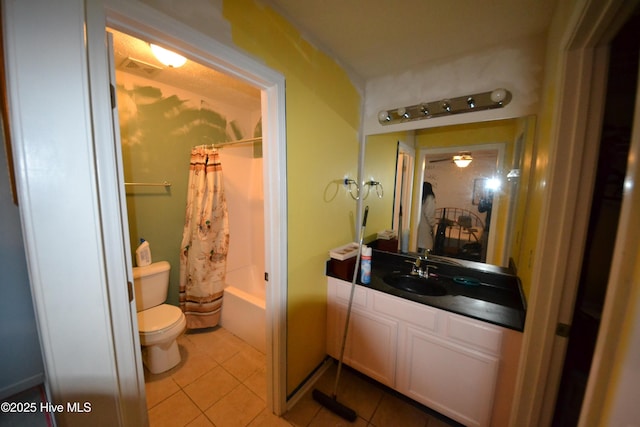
(415, 284)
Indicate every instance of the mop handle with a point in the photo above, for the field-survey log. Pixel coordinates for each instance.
(353, 288)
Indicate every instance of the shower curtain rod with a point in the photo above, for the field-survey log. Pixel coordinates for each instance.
(239, 141)
(149, 184)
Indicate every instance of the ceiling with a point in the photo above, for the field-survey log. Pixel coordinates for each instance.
(368, 38)
(373, 38)
(134, 56)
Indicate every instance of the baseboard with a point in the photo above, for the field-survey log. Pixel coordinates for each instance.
(20, 386)
(308, 384)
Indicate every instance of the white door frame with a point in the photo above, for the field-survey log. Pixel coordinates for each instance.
(69, 194)
(69, 208)
(151, 25)
(405, 166)
(563, 224)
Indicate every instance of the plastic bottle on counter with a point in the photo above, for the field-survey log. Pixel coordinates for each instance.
(405, 241)
(365, 265)
(143, 254)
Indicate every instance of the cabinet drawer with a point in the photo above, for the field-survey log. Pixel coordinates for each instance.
(417, 314)
(478, 334)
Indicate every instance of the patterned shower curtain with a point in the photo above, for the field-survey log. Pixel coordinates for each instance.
(205, 241)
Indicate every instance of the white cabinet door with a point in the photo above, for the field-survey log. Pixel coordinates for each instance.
(371, 344)
(451, 379)
(372, 339)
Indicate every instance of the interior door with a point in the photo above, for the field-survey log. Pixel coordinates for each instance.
(603, 224)
(611, 396)
(403, 190)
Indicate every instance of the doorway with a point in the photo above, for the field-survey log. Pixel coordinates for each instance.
(603, 220)
(163, 113)
(212, 54)
(456, 189)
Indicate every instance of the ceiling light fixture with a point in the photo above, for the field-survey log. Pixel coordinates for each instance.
(167, 57)
(463, 159)
(497, 98)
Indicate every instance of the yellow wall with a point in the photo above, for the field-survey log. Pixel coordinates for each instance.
(323, 118)
(544, 132)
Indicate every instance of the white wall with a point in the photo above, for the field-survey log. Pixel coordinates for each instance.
(20, 351)
(516, 65)
(243, 186)
(453, 186)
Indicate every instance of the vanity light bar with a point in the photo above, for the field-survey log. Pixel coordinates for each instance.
(497, 98)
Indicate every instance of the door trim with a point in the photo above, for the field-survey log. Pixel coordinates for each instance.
(572, 158)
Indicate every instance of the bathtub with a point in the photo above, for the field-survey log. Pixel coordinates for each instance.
(243, 307)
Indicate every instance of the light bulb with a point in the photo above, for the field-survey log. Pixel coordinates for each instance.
(498, 95)
(493, 184)
(168, 58)
(383, 116)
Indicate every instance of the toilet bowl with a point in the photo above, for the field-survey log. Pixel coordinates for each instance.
(158, 328)
(159, 324)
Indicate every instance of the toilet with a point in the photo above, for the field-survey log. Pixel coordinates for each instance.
(159, 324)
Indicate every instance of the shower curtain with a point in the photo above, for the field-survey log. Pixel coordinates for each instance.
(205, 241)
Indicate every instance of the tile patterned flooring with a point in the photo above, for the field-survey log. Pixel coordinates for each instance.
(221, 382)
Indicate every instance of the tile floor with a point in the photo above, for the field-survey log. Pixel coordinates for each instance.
(221, 382)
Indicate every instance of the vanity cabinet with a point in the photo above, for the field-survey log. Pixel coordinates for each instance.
(461, 367)
(372, 339)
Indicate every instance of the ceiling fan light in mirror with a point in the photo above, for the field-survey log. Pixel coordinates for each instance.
(497, 98)
(462, 160)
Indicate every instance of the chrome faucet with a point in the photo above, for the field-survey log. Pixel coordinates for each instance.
(415, 267)
(421, 266)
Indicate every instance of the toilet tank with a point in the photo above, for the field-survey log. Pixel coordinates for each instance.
(151, 284)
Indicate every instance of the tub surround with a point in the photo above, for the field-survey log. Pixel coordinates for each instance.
(498, 299)
(244, 307)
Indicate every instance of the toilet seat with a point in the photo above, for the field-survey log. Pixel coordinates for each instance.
(158, 319)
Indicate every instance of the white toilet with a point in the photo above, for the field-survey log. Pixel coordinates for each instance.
(159, 324)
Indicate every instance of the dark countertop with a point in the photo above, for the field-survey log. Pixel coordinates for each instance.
(497, 299)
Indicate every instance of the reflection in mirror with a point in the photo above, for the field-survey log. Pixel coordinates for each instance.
(465, 199)
(474, 219)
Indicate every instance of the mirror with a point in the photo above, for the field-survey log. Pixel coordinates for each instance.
(473, 220)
